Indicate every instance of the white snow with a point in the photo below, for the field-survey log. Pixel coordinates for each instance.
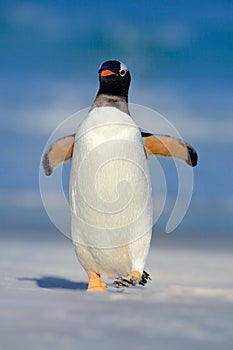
(44, 305)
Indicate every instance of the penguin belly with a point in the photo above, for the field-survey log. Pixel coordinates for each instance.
(110, 195)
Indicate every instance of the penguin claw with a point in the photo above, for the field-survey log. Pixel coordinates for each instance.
(132, 281)
(122, 282)
(145, 278)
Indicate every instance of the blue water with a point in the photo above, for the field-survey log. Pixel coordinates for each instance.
(180, 56)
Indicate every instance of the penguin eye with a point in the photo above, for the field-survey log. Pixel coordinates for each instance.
(122, 72)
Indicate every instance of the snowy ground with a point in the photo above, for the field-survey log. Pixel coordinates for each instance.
(44, 305)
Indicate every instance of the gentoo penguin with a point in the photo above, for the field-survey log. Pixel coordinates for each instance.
(110, 189)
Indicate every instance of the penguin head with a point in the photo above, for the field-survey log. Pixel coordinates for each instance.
(114, 78)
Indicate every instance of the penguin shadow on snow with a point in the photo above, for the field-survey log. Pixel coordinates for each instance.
(51, 282)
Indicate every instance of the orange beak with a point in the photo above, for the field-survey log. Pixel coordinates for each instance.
(107, 72)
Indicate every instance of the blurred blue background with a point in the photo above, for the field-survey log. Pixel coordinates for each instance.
(180, 55)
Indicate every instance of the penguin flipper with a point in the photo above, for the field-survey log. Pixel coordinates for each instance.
(60, 151)
(167, 146)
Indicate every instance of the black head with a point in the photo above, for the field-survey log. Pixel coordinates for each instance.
(114, 79)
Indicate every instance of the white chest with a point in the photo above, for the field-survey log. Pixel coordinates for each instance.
(110, 189)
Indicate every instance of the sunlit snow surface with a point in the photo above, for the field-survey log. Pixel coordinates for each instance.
(44, 305)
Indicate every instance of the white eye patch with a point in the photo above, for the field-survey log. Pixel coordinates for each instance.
(123, 66)
(123, 69)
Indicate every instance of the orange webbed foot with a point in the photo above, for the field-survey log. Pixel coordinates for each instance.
(95, 284)
(132, 280)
